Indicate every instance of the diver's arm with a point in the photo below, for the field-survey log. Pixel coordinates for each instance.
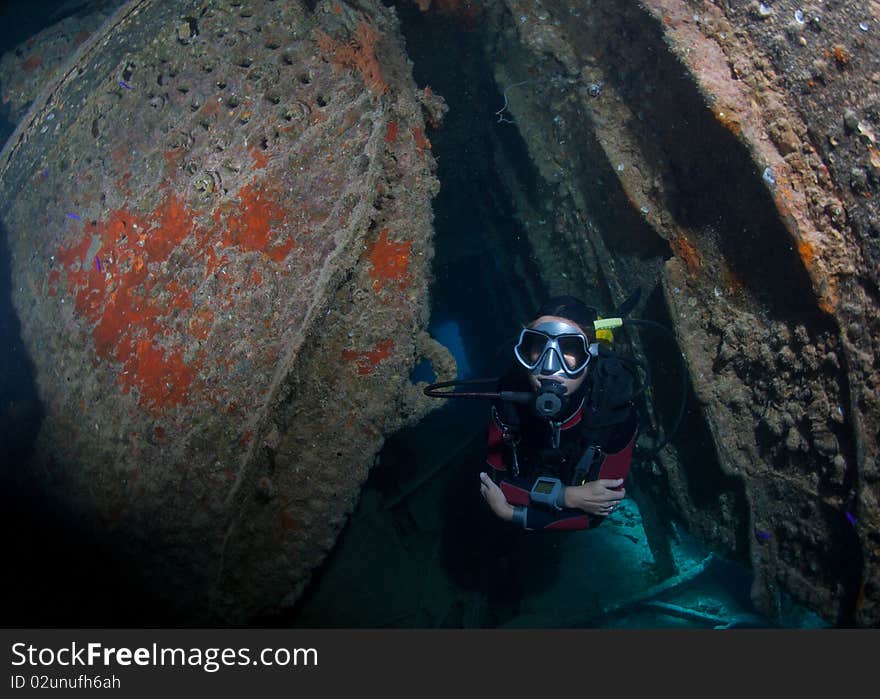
(595, 497)
(532, 516)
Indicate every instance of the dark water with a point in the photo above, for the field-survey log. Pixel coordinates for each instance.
(421, 549)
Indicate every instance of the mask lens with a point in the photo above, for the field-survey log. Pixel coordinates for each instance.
(574, 351)
(531, 346)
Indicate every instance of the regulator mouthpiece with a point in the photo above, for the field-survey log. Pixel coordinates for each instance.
(551, 399)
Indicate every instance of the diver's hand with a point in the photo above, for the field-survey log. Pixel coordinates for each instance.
(595, 497)
(495, 498)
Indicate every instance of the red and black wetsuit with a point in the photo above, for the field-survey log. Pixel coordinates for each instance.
(600, 415)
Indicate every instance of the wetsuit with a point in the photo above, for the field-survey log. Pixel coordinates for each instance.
(521, 444)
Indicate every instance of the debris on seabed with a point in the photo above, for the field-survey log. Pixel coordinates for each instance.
(768, 177)
(799, 17)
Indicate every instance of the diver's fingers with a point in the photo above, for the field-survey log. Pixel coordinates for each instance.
(612, 497)
(484, 477)
(610, 482)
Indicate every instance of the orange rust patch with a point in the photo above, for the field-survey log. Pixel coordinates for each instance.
(200, 324)
(162, 377)
(827, 303)
(369, 360)
(140, 313)
(250, 227)
(81, 37)
(807, 253)
(389, 262)
(422, 143)
(127, 322)
(358, 54)
(686, 251)
(261, 159)
(246, 438)
(160, 434)
(391, 132)
(841, 55)
(31, 64)
(287, 521)
(729, 121)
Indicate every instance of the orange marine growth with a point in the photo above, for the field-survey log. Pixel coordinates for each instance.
(368, 361)
(422, 143)
(391, 132)
(390, 262)
(127, 315)
(251, 227)
(686, 251)
(261, 159)
(358, 54)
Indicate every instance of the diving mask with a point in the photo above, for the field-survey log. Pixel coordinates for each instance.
(554, 348)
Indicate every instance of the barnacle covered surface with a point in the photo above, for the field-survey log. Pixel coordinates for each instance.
(205, 201)
(728, 160)
(235, 196)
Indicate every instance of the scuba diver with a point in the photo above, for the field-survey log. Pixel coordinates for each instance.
(563, 419)
(558, 461)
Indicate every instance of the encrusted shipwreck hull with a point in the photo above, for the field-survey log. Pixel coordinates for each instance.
(735, 151)
(219, 219)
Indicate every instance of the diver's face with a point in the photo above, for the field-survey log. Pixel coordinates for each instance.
(571, 384)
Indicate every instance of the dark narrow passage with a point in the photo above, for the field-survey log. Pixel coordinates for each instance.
(484, 285)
